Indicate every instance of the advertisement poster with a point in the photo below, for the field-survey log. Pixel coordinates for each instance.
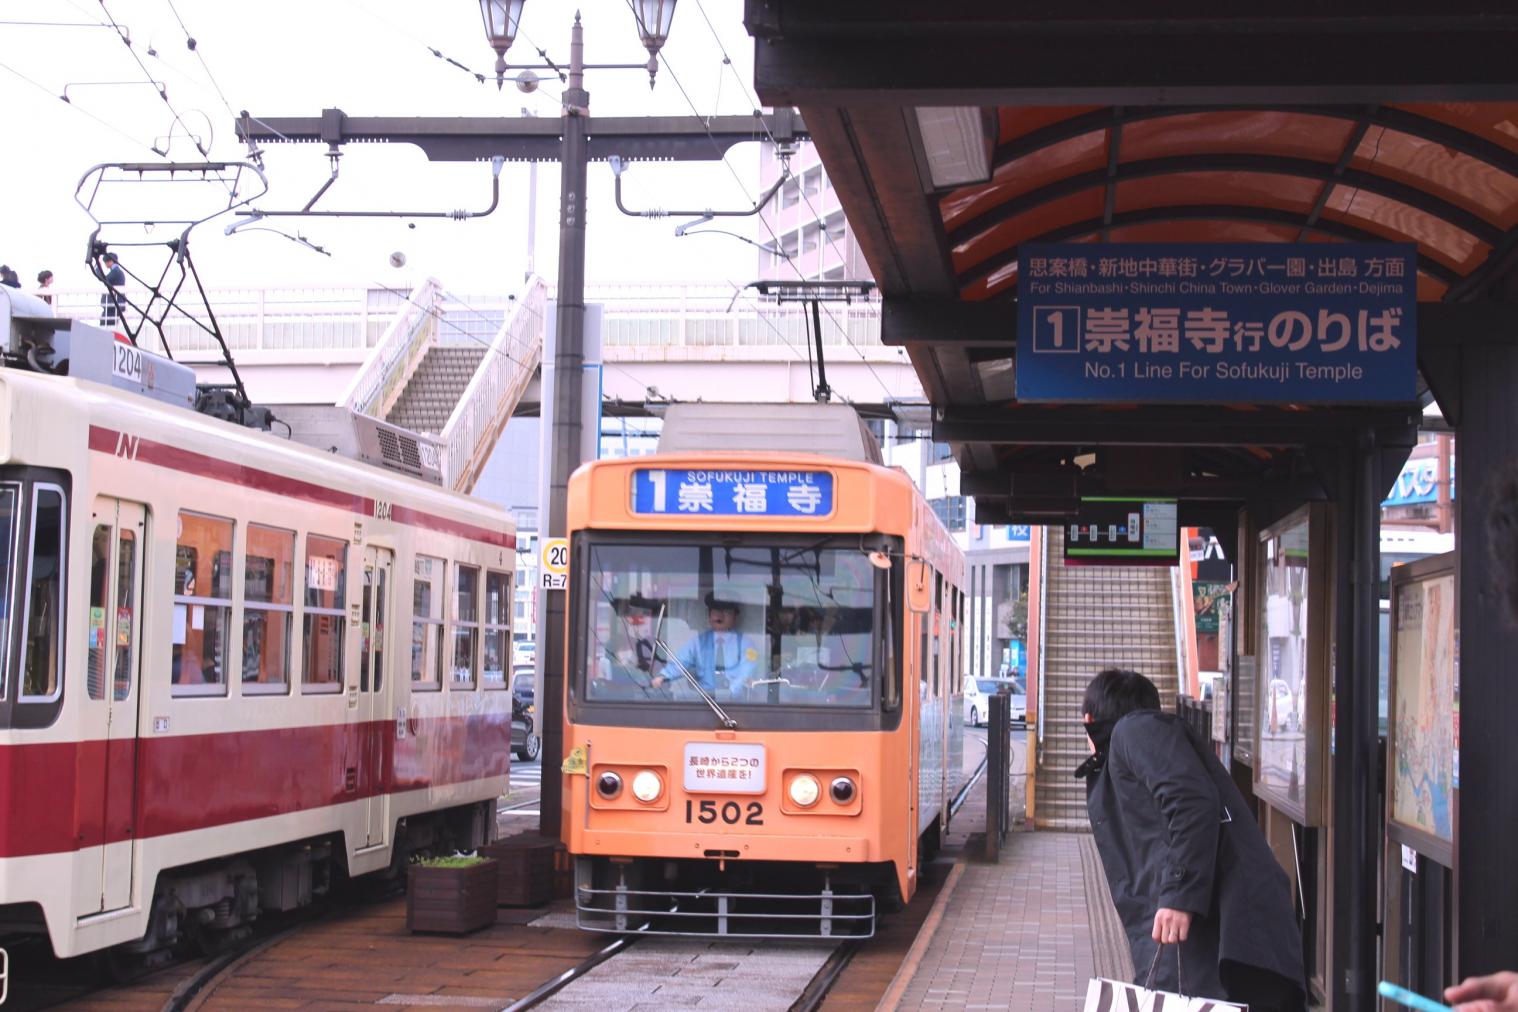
(1423, 726)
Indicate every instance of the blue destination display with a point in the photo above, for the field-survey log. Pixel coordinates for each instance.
(1217, 323)
(676, 492)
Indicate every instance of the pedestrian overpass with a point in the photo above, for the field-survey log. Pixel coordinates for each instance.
(456, 367)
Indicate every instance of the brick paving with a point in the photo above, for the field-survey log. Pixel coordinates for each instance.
(1021, 934)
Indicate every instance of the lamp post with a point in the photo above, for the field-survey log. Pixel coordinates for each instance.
(502, 18)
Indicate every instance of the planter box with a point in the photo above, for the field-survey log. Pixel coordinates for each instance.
(526, 869)
(452, 900)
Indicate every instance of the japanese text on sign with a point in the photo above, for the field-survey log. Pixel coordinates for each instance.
(725, 767)
(1233, 322)
(732, 493)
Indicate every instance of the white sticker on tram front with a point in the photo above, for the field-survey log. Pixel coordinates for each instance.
(718, 767)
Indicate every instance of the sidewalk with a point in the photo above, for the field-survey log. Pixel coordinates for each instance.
(1025, 934)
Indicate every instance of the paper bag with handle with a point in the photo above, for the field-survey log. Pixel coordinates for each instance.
(1103, 995)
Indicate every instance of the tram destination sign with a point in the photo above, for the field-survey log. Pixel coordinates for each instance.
(758, 492)
(1217, 323)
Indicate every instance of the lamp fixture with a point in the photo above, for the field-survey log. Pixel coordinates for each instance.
(654, 18)
(502, 17)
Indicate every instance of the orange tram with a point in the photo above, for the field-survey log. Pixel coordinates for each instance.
(763, 725)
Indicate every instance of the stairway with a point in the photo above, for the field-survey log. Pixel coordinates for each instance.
(435, 387)
(1096, 617)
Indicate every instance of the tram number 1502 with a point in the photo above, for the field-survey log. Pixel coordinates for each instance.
(731, 812)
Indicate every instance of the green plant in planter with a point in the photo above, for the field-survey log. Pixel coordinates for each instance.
(455, 861)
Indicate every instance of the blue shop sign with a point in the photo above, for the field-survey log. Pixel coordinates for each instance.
(1418, 482)
(1217, 322)
(696, 491)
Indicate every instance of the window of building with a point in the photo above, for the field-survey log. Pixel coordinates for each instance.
(325, 623)
(202, 605)
(466, 625)
(427, 624)
(951, 511)
(268, 610)
(498, 601)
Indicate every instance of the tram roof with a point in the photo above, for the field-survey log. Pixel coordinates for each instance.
(1349, 120)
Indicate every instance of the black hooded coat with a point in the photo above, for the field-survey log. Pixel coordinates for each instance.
(1173, 831)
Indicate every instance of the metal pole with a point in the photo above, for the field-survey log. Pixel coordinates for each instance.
(823, 393)
(532, 212)
(569, 360)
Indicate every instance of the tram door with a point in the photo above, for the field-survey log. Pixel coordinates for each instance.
(112, 691)
(374, 688)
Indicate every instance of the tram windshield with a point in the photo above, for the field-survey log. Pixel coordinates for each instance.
(758, 623)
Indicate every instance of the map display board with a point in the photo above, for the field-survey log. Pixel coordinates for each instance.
(1421, 729)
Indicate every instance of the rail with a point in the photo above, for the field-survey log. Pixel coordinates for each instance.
(1043, 611)
(495, 389)
(383, 376)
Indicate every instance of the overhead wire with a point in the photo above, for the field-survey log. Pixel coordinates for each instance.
(800, 274)
(126, 38)
(82, 111)
(194, 47)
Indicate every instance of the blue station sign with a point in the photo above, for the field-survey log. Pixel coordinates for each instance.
(1217, 323)
(692, 492)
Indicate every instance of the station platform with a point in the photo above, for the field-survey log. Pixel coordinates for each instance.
(1025, 933)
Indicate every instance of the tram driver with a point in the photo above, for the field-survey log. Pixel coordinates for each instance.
(723, 659)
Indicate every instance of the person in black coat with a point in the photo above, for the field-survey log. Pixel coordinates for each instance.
(1184, 859)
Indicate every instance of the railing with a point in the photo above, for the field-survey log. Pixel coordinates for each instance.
(1043, 610)
(337, 318)
(374, 389)
(498, 384)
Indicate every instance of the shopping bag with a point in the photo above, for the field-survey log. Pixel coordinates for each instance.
(1103, 995)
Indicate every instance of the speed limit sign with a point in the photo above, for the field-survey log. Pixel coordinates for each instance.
(553, 564)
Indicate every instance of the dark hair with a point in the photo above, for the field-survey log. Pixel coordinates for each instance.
(1502, 537)
(1117, 692)
(715, 603)
(43, 277)
(109, 258)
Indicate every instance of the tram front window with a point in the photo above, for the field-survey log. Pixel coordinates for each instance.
(766, 624)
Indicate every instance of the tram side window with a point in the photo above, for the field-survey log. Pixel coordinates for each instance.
(9, 506)
(42, 646)
(497, 628)
(202, 605)
(100, 564)
(325, 623)
(268, 610)
(427, 624)
(466, 625)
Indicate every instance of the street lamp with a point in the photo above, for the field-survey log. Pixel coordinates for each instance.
(502, 17)
(501, 20)
(654, 18)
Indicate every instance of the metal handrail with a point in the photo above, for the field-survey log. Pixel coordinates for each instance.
(379, 381)
(1043, 642)
(497, 385)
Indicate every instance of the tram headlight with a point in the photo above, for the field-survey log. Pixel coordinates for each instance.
(608, 785)
(647, 786)
(805, 790)
(842, 790)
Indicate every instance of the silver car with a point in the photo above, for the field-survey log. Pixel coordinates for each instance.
(978, 692)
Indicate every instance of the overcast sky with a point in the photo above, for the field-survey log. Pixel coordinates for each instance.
(367, 57)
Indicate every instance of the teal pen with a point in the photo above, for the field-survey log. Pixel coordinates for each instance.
(1403, 996)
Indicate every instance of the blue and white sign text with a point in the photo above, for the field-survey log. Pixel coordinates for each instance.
(695, 492)
(1217, 323)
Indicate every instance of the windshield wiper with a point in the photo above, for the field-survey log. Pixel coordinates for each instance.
(727, 721)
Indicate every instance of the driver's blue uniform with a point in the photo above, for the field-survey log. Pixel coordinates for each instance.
(720, 661)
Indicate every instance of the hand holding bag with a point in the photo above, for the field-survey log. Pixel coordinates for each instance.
(1104, 995)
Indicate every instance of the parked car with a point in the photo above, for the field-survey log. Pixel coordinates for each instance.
(524, 651)
(978, 692)
(524, 684)
(1284, 715)
(525, 743)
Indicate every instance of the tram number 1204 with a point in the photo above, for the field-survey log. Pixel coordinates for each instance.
(731, 812)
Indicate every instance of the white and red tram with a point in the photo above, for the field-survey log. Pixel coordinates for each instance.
(230, 666)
